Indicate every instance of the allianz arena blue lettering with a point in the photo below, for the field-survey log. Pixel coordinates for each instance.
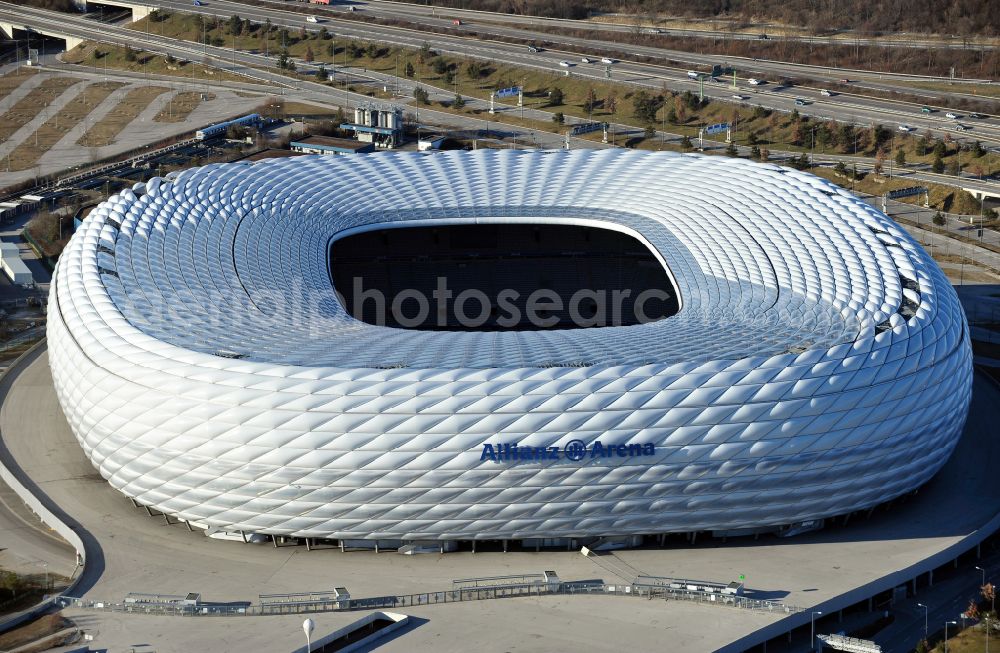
(575, 451)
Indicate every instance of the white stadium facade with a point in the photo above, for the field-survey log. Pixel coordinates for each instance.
(807, 358)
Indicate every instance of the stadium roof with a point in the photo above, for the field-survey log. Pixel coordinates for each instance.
(767, 261)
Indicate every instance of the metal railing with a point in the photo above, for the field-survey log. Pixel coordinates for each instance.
(458, 595)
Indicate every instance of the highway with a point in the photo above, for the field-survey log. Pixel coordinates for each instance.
(431, 15)
(841, 107)
(240, 62)
(485, 24)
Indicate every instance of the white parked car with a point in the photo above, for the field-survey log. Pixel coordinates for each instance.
(825, 93)
(586, 60)
(951, 116)
(607, 60)
(755, 82)
(905, 128)
(565, 64)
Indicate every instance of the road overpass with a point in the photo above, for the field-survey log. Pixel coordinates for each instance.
(138, 10)
(982, 192)
(14, 30)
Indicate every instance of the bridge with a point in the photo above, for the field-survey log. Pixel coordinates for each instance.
(982, 192)
(11, 30)
(138, 10)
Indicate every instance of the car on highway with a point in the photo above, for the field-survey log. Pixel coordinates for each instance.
(975, 115)
(586, 60)
(532, 48)
(456, 22)
(738, 97)
(826, 93)
(756, 82)
(951, 116)
(312, 19)
(764, 37)
(905, 128)
(799, 102)
(197, 3)
(565, 64)
(926, 110)
(961, 128)
(607, 60)
(845, 81)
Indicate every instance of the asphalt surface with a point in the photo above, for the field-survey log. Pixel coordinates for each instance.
(842, 107)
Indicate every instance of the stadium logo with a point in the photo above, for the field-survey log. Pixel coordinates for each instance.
(575, 450)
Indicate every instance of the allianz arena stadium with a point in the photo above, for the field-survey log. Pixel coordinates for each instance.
(267, 347)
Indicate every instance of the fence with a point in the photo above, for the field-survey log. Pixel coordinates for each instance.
(648, 592)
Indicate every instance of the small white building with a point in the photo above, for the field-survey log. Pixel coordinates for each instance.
(13, 266)
(432, 142)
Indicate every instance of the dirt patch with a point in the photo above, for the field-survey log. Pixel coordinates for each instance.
(48, 624)
(107, 129)
(303, 109)
(181, 105)
(54, 129)
(32, 104)
(10, 81)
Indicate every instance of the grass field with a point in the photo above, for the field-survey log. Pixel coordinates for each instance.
(55, 128)
(970, 640)
(983, 90)
(33, 104)
(181, 105)
(12, 80)
(101, 55)
(107, 129)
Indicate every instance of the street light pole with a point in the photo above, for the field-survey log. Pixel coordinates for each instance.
(983, 586)
(307, 627)
(812, 629)
(954, 623)
(921, 605)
